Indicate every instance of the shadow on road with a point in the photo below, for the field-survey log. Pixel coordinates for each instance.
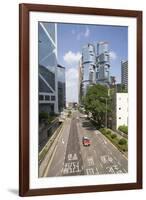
(88, 126)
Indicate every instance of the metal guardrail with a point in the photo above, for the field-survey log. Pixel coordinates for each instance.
(48, 145)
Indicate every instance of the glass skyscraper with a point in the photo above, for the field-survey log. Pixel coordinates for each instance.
(94, 67)
(103, 63)
(61, 87)
(51, 75)
(88, 66)
(47, 47)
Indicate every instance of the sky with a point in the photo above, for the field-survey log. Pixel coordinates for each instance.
(72, 37)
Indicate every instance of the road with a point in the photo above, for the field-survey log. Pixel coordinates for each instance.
(71, 158)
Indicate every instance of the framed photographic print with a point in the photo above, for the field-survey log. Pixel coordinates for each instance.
(80, 99)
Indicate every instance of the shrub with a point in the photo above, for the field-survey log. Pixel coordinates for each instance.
(69, 113)
(43, 115)
(122, 141)
(113, 136)
(123, 129)
(108, 132)
(51, 118)
(102, 130)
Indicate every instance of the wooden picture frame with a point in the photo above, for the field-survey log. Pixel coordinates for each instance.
(24, 95)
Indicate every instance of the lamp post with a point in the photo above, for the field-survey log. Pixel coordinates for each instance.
(105, 110)
(106, 107)
(106, 113)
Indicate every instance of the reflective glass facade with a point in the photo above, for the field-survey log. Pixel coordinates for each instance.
(94, 67)
(61, 88)
(102, 63)
(47, 58)
(88, 65)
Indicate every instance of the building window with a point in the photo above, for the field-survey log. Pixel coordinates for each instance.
(41, 97)
(52, 98)
(119, 117)
(119, 108)
(47, 98)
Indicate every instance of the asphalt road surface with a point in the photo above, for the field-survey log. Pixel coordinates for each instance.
(71, 158)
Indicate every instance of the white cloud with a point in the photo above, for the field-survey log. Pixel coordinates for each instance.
(84, 34)
(113, 55)
(72, 84)
(87, 32)
(72, 58)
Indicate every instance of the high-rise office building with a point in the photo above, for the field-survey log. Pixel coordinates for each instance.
(94, 67)
(124, 74)
(48, 87)
(88, 67)
(61, 87)
(80, 79)
(112, 81)
(103, 64)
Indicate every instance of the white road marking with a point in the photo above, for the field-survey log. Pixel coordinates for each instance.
(90, 161)
(105, 142)
(110, 170)
(101, 164)
(75, 157)
(103, 159)
(119, 163)
(115, 167)
(110, 159)
(90, 171)
(69, 156)
(115, 158)
(106, 159)
(97, 172)
(72, 156)
(62, 141)
(119, 171)
(124, 170)
(71, 167)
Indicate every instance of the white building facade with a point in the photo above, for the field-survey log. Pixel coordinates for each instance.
(121, 109)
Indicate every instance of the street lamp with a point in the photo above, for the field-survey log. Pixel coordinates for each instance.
(106, 107)
(105, 110)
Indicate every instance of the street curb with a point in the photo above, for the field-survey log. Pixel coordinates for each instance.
(114, 146)
(52, 155)
(48, 144)
(50, 152)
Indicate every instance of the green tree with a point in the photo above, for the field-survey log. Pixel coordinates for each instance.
(95, 102)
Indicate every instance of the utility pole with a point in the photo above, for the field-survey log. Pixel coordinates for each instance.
(106, 113)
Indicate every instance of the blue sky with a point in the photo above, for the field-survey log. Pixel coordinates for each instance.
(72, 37)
